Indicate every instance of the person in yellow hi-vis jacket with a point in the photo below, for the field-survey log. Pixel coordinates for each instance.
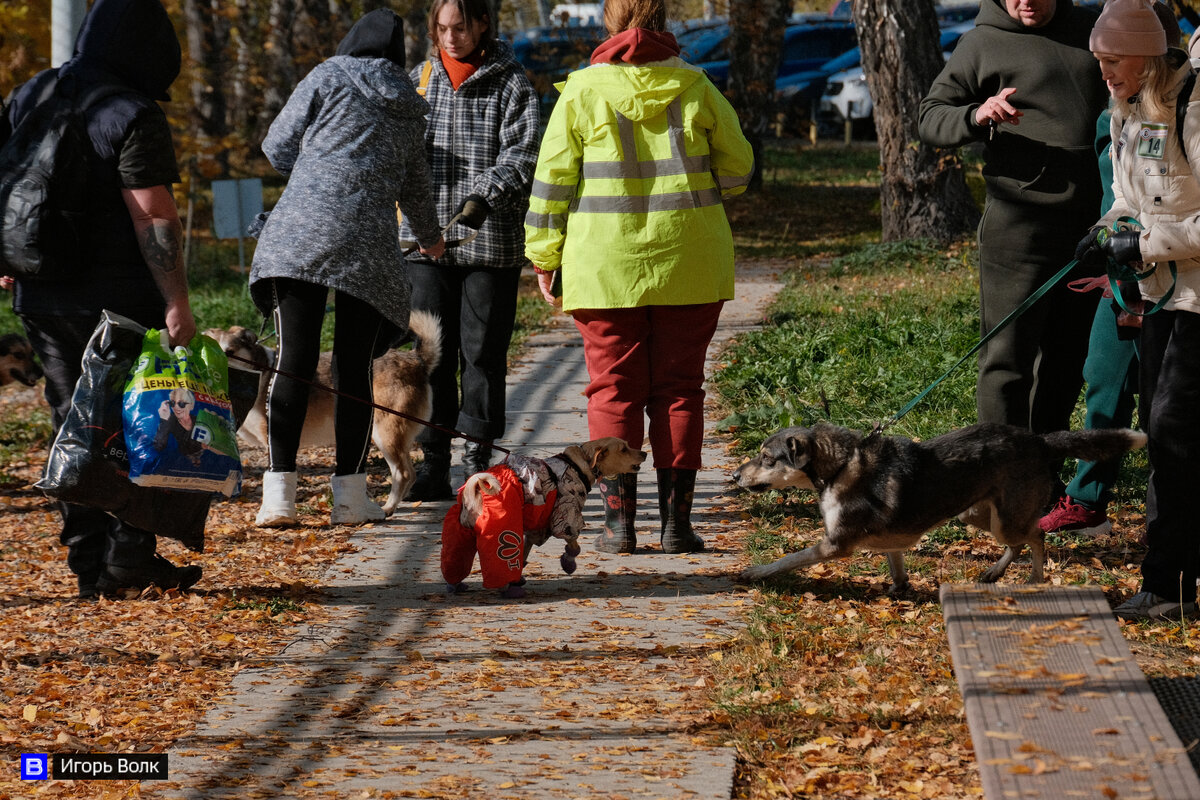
(627, 197)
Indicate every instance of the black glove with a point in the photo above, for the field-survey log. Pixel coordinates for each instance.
(474, 211)
(1124, 248)
(1088, 252)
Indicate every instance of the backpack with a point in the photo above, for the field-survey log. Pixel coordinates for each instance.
(43, 186)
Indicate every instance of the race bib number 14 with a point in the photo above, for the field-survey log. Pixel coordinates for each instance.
(1152, 140)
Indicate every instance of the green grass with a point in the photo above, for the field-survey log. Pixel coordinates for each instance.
(828, 166)
(20, 434)
(854, 340)
(274, 606)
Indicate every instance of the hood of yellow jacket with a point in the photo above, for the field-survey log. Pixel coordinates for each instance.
(639, 92)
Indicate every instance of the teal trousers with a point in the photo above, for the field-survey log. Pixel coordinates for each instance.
(1111, 374)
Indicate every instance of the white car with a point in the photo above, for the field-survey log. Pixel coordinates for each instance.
(846, 95)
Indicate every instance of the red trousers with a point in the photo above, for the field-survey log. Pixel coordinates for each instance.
(498, 537)
(649, 362)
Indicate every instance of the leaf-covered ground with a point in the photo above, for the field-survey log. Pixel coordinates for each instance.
(836, 690)
(136, 674)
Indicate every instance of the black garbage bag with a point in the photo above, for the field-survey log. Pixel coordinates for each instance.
(88, 463)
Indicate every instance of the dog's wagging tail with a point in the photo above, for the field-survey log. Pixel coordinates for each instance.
(882, 493)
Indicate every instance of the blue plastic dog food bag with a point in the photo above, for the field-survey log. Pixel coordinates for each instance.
(179, 424)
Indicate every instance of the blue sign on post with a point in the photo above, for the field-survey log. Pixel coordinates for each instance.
(235, 205)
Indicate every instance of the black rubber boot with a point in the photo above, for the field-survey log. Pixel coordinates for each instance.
(132, 563)
(476, 457)
(676, 488)
(433, 474)
(619, 496)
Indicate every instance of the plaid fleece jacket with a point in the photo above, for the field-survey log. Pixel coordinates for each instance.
(482, 139)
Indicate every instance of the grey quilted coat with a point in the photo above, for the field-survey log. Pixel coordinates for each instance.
(351, 138)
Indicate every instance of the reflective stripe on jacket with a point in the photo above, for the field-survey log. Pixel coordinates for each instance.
(635, 163)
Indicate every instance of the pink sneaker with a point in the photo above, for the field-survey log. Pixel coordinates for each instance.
(1067, 516)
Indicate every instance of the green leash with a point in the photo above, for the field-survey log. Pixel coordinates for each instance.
(1124, 272)
(1115, 272)
(1016, 312)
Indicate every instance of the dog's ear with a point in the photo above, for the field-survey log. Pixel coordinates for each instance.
(591, 451)
(7, 342)
(797, 448)
(597, 453)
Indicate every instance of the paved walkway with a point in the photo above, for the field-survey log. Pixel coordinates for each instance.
(591, 686)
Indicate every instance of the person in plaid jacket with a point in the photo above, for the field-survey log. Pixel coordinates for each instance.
(482, 142)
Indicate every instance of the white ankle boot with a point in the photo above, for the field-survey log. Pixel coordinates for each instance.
(278, 509)
(350, 502)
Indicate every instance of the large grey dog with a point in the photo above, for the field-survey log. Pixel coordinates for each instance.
(882, 493)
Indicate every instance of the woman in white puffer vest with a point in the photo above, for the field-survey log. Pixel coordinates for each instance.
(1154, 182)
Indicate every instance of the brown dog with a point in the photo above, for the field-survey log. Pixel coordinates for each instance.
(17, 361)
(400, 381)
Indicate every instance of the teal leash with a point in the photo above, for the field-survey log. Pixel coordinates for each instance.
(1115, 273)
(1124, 272)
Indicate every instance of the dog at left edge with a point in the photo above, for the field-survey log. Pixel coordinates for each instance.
(17, 361)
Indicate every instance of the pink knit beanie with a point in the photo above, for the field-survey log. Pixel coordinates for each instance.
(1128, 28)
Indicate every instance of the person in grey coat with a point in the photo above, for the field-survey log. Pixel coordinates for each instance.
(482, 144)
(350, 140)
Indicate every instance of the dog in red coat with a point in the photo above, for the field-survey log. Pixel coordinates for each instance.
(506, 511)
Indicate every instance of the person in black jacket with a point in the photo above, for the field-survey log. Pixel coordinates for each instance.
(135, 241)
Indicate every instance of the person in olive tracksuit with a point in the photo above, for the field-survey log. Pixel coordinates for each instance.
(1024, 83)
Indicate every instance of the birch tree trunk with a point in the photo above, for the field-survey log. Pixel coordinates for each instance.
(208, 43)
(281, 76)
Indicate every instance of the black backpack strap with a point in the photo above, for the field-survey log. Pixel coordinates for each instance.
(1181, 106)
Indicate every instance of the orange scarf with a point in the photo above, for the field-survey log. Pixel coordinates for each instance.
(458, 71)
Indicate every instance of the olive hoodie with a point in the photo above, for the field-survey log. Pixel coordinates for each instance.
(1047, 158)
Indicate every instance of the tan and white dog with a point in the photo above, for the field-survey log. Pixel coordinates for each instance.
(400, 381)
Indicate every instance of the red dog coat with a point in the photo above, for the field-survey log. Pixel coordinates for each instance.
(499, 535)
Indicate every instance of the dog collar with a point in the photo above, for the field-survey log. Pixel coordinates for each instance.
(583, 476)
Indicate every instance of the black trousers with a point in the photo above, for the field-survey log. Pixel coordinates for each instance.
(360, 335)
(92, 537)
(1170, 414)
(478, 308)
